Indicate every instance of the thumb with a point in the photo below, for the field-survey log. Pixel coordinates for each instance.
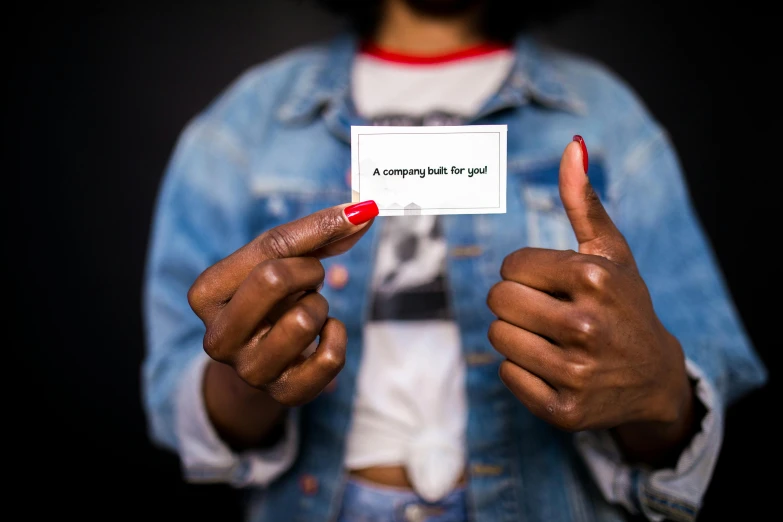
(595, 231)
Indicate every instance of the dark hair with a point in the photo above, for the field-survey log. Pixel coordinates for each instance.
(501, 20)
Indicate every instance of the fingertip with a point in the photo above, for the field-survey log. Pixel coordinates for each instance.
(572, 174)
(334, 333)
(332, 346)
(509, 375)
(583, 150)
(362, 212)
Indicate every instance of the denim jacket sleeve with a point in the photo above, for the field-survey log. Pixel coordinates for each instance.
(206, 458)
(201, 217)
(652, 207)
(619, 482)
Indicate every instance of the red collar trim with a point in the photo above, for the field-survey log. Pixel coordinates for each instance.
(373, 50)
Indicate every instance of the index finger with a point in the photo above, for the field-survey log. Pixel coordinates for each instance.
(314, 232)
(306, 235)
(556, 272)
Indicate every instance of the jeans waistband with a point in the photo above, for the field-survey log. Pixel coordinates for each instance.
(367, 502)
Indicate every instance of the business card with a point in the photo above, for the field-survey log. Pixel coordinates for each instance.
(430, 170)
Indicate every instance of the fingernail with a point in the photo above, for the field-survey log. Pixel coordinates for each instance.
(581, 141)
(361, 212)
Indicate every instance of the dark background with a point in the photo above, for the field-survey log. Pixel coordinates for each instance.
(96, 98)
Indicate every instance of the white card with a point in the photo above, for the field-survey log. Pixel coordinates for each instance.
(430, 170)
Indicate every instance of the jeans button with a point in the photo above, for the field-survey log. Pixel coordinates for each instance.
(414, 513)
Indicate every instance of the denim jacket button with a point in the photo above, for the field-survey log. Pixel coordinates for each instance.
(480, 358)
(308, 484)
(337, 276)
(478, 469)
(466, 251)
(414, 513)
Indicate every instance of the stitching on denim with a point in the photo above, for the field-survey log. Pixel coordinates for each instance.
(668, 505)
(669, 511)
(687, 506)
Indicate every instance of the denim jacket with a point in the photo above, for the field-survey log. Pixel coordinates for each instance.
(275, 146)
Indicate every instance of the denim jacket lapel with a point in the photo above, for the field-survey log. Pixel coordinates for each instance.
(325, 89)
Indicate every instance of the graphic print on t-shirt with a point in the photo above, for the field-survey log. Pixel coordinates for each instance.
(410, 281)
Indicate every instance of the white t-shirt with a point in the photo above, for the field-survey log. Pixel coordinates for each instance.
(410, 408)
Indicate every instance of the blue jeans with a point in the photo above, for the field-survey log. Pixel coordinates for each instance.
(367, 502)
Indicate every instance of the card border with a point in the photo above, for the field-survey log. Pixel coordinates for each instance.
(418, 131)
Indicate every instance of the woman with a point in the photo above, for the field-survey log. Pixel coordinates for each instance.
(567, 360)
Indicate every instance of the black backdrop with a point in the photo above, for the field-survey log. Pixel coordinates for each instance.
(97, 98)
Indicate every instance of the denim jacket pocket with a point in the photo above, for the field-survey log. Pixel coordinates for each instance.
(547, 222)
(288, 200)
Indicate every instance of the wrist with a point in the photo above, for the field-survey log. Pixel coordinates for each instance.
(243, 416)
(668, 427)
(671, 407)
(658, 443)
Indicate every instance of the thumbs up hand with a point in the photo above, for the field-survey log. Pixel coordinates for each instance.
(584, 348)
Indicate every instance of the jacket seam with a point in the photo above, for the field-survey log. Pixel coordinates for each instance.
(669, 505)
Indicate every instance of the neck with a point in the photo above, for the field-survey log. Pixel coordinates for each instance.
(405, 30)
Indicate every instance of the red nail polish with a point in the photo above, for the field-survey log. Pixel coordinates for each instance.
(584, 150)
(361, 212)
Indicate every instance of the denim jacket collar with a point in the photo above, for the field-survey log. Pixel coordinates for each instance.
(327, 87)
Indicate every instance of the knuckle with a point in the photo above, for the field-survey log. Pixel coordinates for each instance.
(595, 275)
(584, 329)
(571, 416)
(271, 277)
(578, 375)
(213, 344)
(276, 243)
(198, 295)
(304, 320)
